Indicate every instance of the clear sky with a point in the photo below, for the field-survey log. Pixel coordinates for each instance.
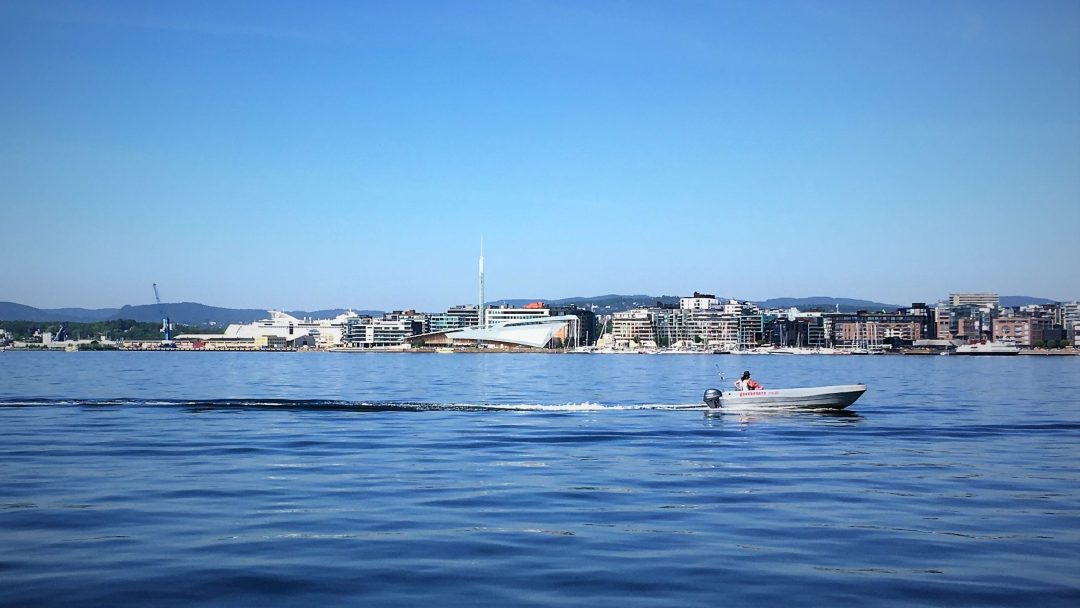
(317, 154)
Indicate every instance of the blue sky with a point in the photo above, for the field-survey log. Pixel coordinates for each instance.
(315, 155)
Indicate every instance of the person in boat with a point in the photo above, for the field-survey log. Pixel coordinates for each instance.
(746, 383)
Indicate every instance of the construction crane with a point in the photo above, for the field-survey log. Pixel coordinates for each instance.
(166, 326)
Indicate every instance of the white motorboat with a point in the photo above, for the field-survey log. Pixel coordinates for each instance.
(817, 397)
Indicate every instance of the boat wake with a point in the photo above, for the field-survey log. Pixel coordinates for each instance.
(340, 405)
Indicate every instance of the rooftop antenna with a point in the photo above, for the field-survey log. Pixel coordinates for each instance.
(480, 311)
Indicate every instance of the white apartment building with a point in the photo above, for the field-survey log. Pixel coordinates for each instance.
(371, 333)
(711, 328)
(699, 301)
(734, 308)
(1070, 320)
(990, 300)
(683, 328)
(1070, 313)
(504, 314)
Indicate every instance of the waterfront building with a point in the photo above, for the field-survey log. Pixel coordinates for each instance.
(659, 327)
(751, 330)
(943, 323)
(966, 328)
(537, 332)
(272, 342)
(713, 328)
(920, 309)
(469, 315)
(669, 326)
(282, 327)
(988, 300)
(1054, 312)
(681, 328)
(677, 327)
(735, 308)
(800, 330)
(365, 332)
(865, 329)
(1070, 313)
(443, 321)
(203, 342)
(1070, 320)
(502, 314)
(971, 322)
(632, 329)
(420, 321)
(586, 327)
(1025, 331)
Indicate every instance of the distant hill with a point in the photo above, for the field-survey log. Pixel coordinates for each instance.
(1023, 301)
(187, 313)
(10, 311)
(610, 303)
(605, 304)
(192, 313)
(826, 303)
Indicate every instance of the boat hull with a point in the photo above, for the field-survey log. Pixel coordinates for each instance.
(992, 349)
(820, 397)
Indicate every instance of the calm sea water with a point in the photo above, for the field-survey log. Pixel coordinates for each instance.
(533, 480)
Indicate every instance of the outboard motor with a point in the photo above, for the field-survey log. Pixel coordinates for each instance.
(712, 398)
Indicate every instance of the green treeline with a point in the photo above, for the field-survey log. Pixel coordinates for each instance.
(120, 329)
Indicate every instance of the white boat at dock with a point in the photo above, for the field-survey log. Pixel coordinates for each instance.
(998, 348)
(816, 397)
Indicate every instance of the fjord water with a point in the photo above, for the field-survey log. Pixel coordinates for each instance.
(533, 480)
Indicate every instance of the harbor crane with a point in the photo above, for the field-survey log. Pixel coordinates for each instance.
(166, 326)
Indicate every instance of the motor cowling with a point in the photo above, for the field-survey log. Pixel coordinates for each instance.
(712, 398)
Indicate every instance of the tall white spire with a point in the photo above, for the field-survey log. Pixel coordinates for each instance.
(480, 311)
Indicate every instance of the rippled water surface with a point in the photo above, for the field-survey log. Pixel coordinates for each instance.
(533, 480)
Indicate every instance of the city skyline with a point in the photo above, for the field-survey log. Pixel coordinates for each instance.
(809, 303)
(273, 154)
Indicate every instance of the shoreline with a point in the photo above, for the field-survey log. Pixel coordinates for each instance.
(534, 351)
